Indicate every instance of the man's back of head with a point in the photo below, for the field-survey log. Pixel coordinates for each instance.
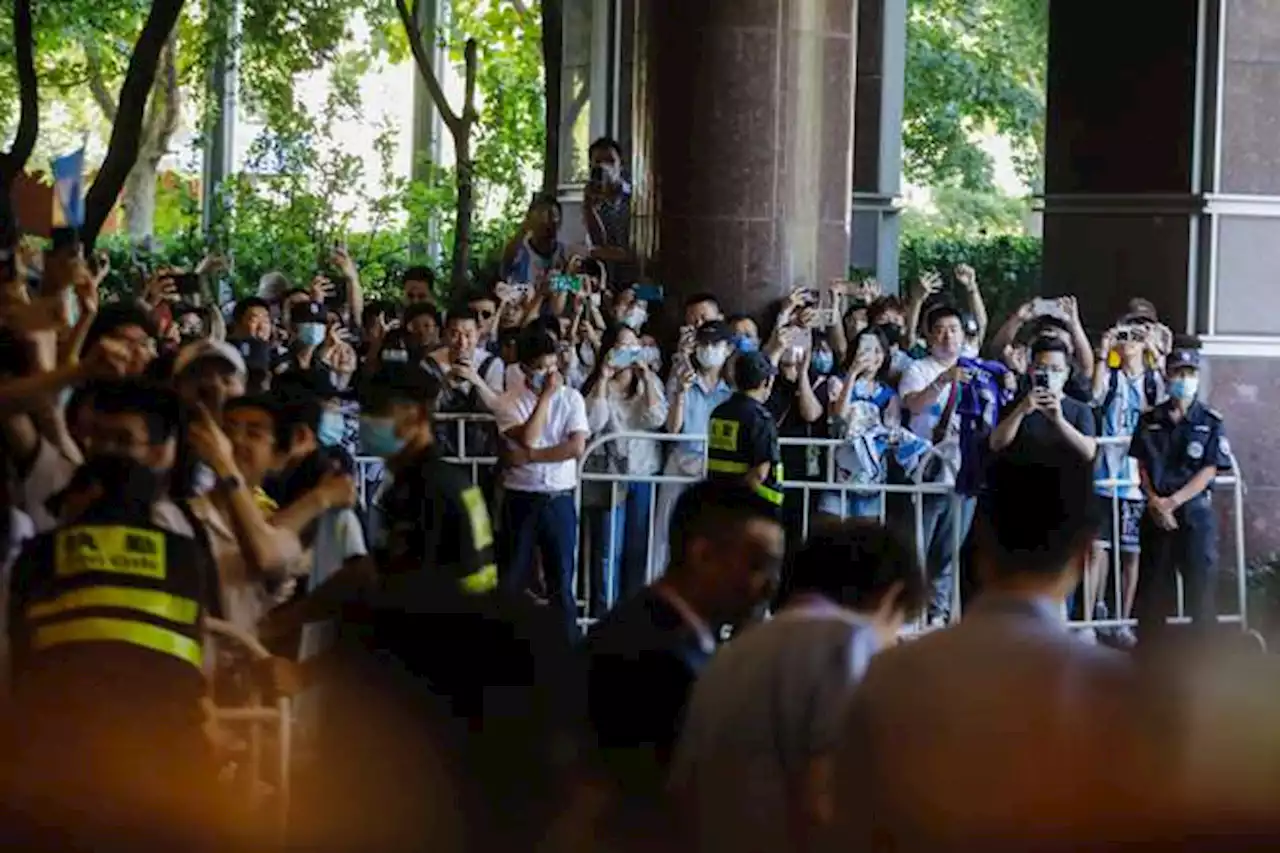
(1036, 519)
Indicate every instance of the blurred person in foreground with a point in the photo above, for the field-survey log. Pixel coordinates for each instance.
(644, 657)
(753, 768)
(1004, 728)
(106, 617)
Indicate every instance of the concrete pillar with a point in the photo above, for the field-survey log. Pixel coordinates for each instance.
(877, 144)
(748, 171)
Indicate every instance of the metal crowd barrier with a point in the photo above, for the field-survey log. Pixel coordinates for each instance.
(257, 717)
(666, 486)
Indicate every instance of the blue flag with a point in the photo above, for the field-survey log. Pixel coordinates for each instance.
(68, 190)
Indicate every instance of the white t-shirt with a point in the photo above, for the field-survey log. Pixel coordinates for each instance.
(919, 375)
(339, 538)
(566, 416)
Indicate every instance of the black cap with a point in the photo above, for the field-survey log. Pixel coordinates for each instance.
(307, 312)
(753, 369)
(399, 383)
(256, 352)
(714, 332)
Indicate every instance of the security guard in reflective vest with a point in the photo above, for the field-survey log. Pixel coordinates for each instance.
(742, 435)
(105, 628)
(1181, 446)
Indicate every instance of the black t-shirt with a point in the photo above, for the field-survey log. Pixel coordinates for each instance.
(1037, 429)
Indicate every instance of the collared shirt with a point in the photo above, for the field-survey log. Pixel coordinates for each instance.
(690, 616)
(699, 402)
(567, 415)
(1173, 453)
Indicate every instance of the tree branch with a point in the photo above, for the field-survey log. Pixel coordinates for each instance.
(126, 131)
(24, 140)
(97, 84)
(408, 17)
(552, 61)
(523, 11)
(469, 85)
(163, 122)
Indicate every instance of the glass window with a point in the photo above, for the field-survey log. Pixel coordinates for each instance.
(575, 108)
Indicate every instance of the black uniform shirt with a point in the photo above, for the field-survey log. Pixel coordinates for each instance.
(743, 435)
(1173, 453)
(436, 525)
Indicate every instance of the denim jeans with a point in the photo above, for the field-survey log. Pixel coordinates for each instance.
(550, 522)
(939, 522)
(618, 556)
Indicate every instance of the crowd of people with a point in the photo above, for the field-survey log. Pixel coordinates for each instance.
(171, 460)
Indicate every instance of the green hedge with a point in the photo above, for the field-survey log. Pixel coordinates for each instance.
(1008, 268)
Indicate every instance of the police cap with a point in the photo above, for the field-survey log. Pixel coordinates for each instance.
(753, 369)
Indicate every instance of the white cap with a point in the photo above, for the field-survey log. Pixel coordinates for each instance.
(204, 349)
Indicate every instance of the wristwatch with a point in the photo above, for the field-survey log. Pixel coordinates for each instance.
(230, 484)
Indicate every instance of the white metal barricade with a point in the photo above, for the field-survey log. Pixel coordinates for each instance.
(257, 717)
(370, 471)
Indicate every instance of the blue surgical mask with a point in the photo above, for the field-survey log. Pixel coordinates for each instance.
(378, 437)
(333, 428)
(311, 334)
(745, 344)
(823, 361)
(1184, 388)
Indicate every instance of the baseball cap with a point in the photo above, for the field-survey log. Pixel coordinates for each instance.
(1183, 358)
(753, 369)
(395, 383)
(207, 349)
(308, 312)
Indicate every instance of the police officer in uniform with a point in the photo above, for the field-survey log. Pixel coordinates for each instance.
(742, 435)
(1180, 446)
(105, 629)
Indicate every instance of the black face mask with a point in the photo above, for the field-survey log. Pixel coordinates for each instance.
(892, 333)
(124, 479)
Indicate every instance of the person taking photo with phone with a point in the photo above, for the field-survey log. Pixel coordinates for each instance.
(606, 203)
(1044, 415)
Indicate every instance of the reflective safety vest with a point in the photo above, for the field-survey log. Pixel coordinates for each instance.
(729, 438)
(98, 582)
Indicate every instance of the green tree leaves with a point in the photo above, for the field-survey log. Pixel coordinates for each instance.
(974, 66)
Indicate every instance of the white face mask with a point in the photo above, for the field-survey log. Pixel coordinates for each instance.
(712, 355)
(635, 317)
(1184, 388)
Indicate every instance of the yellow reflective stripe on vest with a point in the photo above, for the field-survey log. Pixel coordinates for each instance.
(152, 602)
(773, 496)
(727, 466)
(97, 630)
(478, 583)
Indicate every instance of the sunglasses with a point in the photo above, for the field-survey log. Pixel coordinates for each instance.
(485, 315)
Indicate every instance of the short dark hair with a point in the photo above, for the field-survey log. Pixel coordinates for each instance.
(418, 273)
(714, 508)
(297, 409)
(605, 142)
(263, 403)
(242, 307)
(882, 306)
(545, 199)
(116, 316)
(942, 312)
(1048, 343)
(461, 315)
(1038, 538)
(481, 295)
(853, 562)
(738, 318)
(535, 343)
(413, 312)
(157, 404)
(699, 298)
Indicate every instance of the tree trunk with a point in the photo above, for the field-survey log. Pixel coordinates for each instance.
(139, 199)
(127, 130)
(552, 62)
(15, 159)
(461, 265)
